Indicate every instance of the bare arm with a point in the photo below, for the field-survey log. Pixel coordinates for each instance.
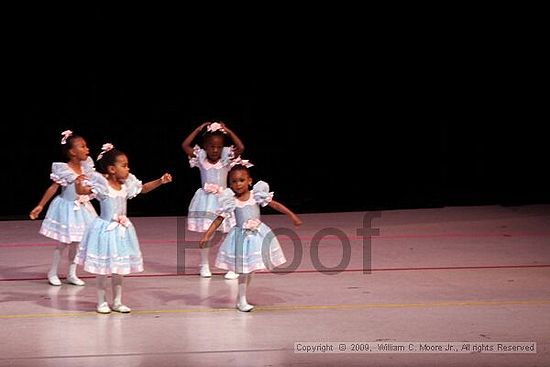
(186, 145)
(239, 146)
(283, 209)
(203, 242)
(50, 192)
(151, 185)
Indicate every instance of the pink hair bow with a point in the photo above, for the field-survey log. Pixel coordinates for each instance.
(215, 126)
(240, 161)
(104, 149)
(66, 135)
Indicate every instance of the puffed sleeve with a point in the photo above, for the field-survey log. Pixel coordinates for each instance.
(262, 196)
(226, 202)
(99, 185)
(88, 166)
(133, 186)
(62, 174)
(228, 154)
(199, 156)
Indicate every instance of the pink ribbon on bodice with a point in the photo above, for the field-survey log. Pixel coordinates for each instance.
(81, 200)
(252, 224)
(119, 220)
(212, 188)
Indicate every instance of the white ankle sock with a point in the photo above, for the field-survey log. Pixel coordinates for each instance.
(101, 288)
(241, 298)
(56, 259)
(117, 289)
(72, 271)
(204, 256)
(72, 252)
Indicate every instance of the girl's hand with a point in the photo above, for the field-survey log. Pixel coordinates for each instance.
(225, 128)
(35, 212)
(166, 178)
(296, 220)
(80, 179)
(203, 242)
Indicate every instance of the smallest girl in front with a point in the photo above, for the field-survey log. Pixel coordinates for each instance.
(250, 245)
(110, 245)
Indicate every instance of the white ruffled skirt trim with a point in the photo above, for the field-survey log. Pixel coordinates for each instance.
(244, 251)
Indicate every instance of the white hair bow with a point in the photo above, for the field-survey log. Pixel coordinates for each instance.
(104, 149)
(240, 161)
(66, 135)
(215, 126)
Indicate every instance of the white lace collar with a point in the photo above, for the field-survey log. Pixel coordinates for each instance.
(250, 201)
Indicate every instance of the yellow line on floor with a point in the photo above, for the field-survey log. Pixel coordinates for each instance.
(407, 305)
(299, 307)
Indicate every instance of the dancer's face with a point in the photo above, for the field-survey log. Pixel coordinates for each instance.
(213, 148)
(240, 182)
(121, 169)
(79, 149)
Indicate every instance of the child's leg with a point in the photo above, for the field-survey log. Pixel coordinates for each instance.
(117, 295)
(242, 303)
(72, 278)
(231, 275)
(52, 273)
(102, 306)
(205, 264)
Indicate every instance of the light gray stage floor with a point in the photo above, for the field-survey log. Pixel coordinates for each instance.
(470, 276)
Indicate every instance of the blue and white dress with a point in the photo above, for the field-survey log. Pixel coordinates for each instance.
(250, 245)
(110, 244)
(204, 205)
(69, 213)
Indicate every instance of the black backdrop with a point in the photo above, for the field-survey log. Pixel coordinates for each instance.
(339, 132)
(321, 145)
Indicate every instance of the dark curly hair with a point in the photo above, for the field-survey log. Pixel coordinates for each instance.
(108, 159)
(69, 144)
(208, 134)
